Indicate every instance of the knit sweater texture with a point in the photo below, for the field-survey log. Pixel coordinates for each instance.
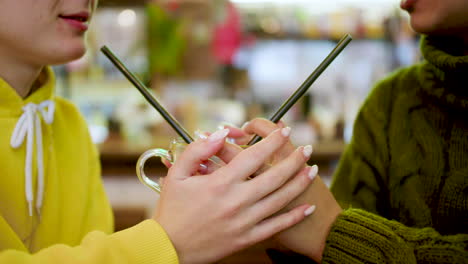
(403, 180)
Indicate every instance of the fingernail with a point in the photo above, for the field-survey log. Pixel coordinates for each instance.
(309, 210)
(286, 131)
(307, 151)
(218, 135)
(245, 124)
(223, 125)
(313, 172)
(200, 134)
(203, 168)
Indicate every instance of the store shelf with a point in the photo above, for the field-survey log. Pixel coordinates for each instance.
(118, 160)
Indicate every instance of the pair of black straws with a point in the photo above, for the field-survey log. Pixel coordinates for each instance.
(275, 118)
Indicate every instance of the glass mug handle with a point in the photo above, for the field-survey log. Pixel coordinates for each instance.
(140, 168)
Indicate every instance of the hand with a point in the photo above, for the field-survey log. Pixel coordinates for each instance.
(263, 128)
(208, 217)
(309, 236)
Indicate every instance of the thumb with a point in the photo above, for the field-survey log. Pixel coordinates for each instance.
(196, 153)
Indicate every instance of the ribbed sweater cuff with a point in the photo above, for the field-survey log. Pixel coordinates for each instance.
(358, 236)
(148, 243)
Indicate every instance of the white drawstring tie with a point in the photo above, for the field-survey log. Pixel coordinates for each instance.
(29, 122)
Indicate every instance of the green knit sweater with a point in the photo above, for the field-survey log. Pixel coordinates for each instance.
(404, 176)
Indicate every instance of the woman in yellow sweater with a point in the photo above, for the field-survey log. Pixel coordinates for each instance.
(53, 208)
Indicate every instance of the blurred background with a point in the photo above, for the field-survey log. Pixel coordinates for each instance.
(216, 61)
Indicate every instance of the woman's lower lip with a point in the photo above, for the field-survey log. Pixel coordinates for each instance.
(407, 4)
(76, 24)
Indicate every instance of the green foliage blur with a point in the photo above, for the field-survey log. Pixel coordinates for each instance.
(166, 43)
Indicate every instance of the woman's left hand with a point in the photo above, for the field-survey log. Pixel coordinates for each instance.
(309, 236)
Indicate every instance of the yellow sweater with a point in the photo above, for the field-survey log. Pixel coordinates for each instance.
(74, 222)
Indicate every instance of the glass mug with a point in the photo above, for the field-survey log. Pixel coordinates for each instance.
(176, 147)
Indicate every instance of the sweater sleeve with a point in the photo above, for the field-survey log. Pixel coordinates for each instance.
(360, 181)
(146, 242)
(361, 237)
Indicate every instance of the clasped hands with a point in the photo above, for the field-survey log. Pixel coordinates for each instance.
(209, 214)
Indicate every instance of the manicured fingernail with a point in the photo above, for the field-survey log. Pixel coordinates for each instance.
(203, 168)
(286, 131)
(223, 125)
(244, 125)
(313, 172)
(307, 151)
(200, 134)
(309, 210)
(218, 135)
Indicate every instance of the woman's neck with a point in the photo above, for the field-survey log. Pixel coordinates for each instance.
(19, 75)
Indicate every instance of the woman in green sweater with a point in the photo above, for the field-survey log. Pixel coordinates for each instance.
(403, 179)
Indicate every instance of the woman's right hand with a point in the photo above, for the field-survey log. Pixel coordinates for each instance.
(208, 217)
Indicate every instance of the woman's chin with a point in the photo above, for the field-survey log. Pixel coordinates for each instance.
(431, 29)
(420, 29)
(431, 24)
(422, 26)
(68, 55)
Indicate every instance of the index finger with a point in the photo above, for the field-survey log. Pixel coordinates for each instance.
(264, 127)
(196, 153)
(261, 126)
(228, 152)
(250, 160)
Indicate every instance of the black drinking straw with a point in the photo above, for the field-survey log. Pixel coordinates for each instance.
(307, 83)
(143, 90)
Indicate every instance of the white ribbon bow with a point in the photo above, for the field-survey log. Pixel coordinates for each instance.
(28, 123)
